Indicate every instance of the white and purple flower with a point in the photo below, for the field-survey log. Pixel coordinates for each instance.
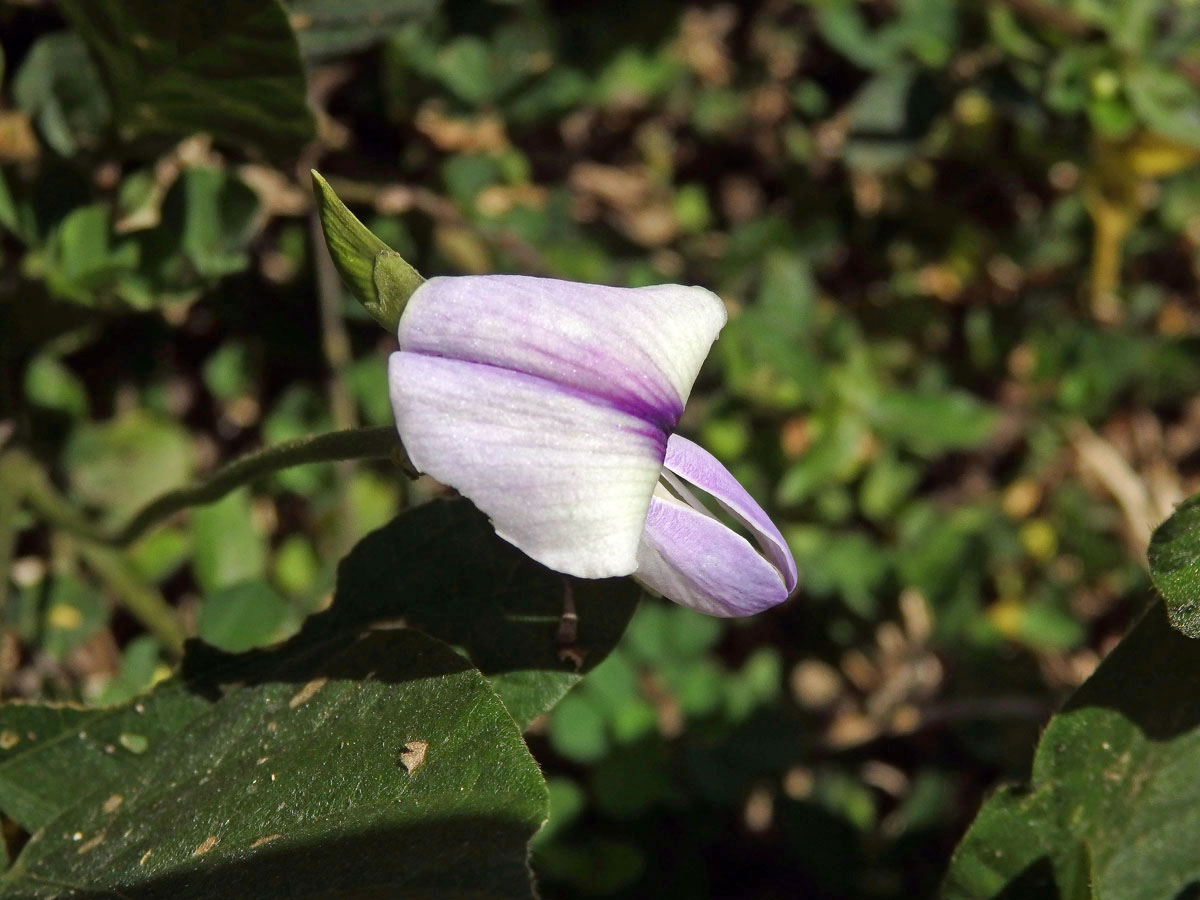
(552, 406)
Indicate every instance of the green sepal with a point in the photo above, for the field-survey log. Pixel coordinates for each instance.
(378, 277)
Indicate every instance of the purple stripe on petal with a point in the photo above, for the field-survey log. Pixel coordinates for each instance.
(695, 464)
(658, 419)
(636, 350)
(694, 560)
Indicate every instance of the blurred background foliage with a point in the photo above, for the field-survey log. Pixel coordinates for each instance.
(959, 243)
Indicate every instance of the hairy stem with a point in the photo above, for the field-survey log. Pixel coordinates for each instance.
(360, 443)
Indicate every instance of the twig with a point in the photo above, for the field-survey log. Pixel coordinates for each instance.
(144, 602)
(362, 443)
(335, 341)
(10, 501)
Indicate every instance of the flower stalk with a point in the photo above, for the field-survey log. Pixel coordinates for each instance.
(359, 443)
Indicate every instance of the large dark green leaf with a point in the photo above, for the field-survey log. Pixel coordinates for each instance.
(230, 68)
(1114, 808)
(1175, 565)
(50, 756)
(377, 764)
(301, 766)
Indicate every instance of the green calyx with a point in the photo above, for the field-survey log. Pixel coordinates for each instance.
(377, 276)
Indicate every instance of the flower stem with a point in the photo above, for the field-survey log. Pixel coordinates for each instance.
(359, 443)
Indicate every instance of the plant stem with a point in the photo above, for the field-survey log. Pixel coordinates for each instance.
(361, 443)
(24, 477)
(21, 478)
(336, 343)
(10, 501)
(144, 602)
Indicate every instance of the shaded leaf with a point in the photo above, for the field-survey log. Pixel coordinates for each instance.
(230, 68)
(58, 85)
(1114, 808)
(332, 27)
(50, 756)
(349, 760)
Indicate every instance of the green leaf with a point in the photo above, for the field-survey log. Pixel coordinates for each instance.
(51, 384)
(1114, 808)
(141, 666)
(122, 464)
(58, 85)
(1175, 565)
(888, 116)
(372, 764)
(376, 275)
(441, 568)
(212, 213)
(50, 755)
(228, 548)
(230, 68)
(82, 263)
(842, 25)
(332, 27)
(74, 612)
(243, 616)
(932, 421)
(368, 761)
(1166, 101)
(209, 217)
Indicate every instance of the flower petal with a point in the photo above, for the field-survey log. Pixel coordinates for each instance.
(701, 468)
(563, 476)
(692, 558)
(635, 349)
